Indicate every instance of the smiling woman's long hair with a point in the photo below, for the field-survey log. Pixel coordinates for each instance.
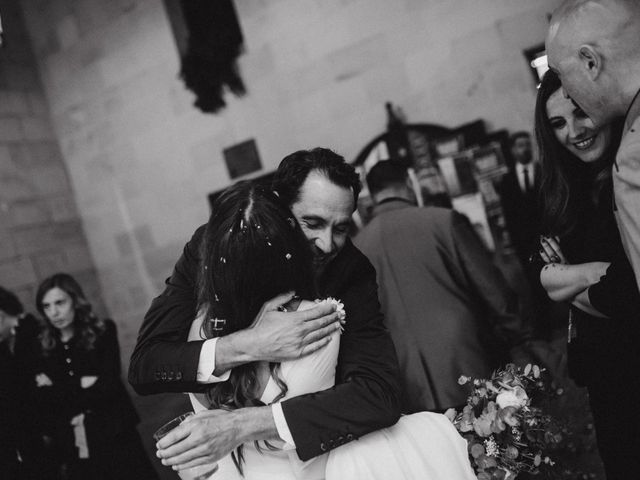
(87, 326)
(567, 181)
(253, 250)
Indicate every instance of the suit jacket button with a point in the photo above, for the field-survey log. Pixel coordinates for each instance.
(349, 437)
(323, 447)
(332, 443)
(164, 376)
(179, 376)
(158, 376)
(340, 440)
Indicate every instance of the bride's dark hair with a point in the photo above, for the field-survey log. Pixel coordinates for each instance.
(253, 250)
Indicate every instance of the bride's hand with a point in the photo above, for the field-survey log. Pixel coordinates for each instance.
(276, 336)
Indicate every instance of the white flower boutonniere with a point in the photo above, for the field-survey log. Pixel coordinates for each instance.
(342, 314)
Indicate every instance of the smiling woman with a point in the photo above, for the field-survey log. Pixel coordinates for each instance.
(584, 264)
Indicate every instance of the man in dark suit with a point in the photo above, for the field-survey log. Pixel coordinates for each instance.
(321, 190)
(521, 204)
(519, 195)
(448, 308)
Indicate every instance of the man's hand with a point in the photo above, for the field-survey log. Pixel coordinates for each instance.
(208, 436)
(276, 336)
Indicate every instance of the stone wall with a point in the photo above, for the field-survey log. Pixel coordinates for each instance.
(41, 230)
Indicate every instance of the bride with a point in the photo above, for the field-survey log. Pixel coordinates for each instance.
(254, 250)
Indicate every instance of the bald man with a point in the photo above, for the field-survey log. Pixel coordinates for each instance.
(594, 46)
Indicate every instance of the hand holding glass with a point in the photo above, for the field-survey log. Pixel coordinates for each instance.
(200, 472)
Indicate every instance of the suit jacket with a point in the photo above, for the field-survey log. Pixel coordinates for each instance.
(106, 405)
(366, 395)
(522, 212)
(443, 300)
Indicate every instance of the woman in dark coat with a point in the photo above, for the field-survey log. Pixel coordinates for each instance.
(585, 265)
(81, 398)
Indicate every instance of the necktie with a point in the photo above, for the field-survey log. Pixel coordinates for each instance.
(527, 180)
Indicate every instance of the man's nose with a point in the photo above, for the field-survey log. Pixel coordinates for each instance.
(324, 241)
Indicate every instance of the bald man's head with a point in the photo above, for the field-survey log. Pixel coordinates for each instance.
(594, 46)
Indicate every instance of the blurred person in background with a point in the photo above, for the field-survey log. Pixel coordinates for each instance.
(23, 450)
(582, 262)
(448, 308)
(80, 397)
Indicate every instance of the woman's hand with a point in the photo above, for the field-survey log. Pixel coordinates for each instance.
(550, 250)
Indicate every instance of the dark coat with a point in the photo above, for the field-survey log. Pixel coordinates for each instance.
(522, 212)
(366, 395)
(115, 448)
(443, 300)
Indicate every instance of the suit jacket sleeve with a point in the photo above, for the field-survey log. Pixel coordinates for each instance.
(366, 395)
(163, 360)
(489, 284)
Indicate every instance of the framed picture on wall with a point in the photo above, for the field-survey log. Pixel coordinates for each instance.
(242, 159)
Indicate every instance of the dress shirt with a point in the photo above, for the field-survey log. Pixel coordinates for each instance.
(520, 168)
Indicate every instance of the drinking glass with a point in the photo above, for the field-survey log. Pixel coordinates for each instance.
(200, 472)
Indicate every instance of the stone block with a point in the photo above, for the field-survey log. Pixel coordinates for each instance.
(7, 248)
(18, 272)
(49, 263)
(13, 103)
(78, 256)
(353, 60)
(51, 180)
(10, 129)
(37, 129)
(31, 240)
(31, 212)
(38, 106)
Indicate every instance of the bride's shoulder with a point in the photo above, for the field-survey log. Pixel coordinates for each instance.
(306, 305)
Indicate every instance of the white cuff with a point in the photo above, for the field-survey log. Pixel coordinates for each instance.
(282, 427)
(207, 364)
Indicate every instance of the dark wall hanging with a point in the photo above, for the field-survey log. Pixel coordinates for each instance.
(209, 40)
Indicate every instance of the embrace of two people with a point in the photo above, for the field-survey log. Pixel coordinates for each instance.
(279, 381)
(291, 374)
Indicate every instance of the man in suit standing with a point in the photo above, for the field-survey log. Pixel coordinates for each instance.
(519, 196)
(448, 308)
(321, 190)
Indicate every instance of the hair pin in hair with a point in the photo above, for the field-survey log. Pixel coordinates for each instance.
(268, 243)
(223, 260)
(288, 256)
(215, 296)
(218, 324)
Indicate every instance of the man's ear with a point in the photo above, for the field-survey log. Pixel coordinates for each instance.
(591, 61)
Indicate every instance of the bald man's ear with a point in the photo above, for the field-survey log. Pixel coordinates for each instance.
(591, 61)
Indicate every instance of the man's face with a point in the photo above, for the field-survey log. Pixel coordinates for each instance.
(521, 150)
(576, 83)
(324, 213)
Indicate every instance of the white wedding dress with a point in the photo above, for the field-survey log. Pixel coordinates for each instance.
(423, 446)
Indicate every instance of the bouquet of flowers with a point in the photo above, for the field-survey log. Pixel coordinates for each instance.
(505, 427)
